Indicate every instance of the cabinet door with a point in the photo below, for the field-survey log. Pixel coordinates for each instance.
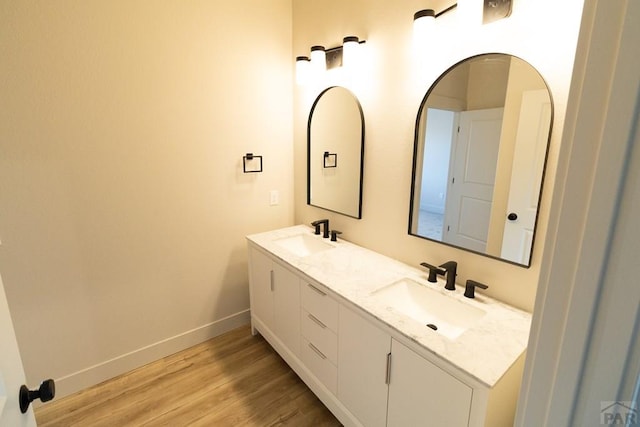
(362, 368)
(421, 394)
(286, 305)
(261, 287)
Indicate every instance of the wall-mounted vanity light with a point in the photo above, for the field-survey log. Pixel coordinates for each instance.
(318, 59)
(251, 163)
(350, 51)
(424, 20)
(471, 11)
(303, 69)
(321, 59)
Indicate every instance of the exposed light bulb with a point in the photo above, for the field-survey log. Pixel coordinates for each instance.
(303, 70)
(350, 51)
(318, 59)
(423, 22)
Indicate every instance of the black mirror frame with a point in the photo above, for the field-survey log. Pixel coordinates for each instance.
(361, 183)
(415, 159)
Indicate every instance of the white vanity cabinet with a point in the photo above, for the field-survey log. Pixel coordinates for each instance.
(319, 326)
(419, 392)
(384, 383)
(275, 298)
(368, 369)
(363, 362)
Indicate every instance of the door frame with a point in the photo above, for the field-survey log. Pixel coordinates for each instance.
(573, 302)
(11, 371)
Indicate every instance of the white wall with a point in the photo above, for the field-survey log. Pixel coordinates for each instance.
(390, 90)
(437, 153)
(123, 206)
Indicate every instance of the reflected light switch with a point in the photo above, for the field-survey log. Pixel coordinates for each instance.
(274, 198)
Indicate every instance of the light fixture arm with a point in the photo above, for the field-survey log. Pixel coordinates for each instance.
(430, 13)
(453, 6)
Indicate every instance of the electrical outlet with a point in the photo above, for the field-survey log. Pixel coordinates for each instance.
(274, 198)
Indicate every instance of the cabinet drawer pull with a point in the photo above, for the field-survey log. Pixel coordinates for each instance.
(316, 289)
(387, 378)
(271, 280)
(316, 320)
(318, 352)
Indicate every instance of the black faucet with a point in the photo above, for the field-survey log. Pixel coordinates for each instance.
(433, 271)
(334, 235)
(469, 289)
(450, 273)
(317, 225)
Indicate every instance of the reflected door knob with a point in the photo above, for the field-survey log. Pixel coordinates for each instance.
(45, 393)
(512, 216)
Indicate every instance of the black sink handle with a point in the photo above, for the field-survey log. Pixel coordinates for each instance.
(469, 289)
(433, 272)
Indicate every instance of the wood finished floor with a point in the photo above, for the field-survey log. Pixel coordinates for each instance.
(235, 379)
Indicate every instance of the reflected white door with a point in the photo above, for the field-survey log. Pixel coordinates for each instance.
(473, 173)
(528, 161)
(11, 372)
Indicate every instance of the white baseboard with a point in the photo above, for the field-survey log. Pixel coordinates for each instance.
(124, 363)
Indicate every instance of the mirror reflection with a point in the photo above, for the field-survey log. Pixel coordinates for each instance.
(480, 150)
(335, 138)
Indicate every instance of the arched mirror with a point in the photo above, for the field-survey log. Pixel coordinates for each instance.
(481, 143)
(335, 138)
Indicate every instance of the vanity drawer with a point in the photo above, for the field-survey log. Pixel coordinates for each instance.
(319, 365)
(318, 303)
(320, 336)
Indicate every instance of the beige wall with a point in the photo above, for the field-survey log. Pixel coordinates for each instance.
(123, 206)
(390, 91)
(487, 86)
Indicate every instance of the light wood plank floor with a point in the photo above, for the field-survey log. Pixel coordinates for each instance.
(235, 379)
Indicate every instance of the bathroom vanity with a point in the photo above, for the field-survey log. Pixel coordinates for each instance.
(377, 342)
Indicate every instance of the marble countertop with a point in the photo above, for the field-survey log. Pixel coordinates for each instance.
(485, 351)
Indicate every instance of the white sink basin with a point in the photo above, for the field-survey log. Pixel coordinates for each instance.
(444, 314)
(303, 244)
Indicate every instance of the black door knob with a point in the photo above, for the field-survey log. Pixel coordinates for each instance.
(45, 393)
(512, 216)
